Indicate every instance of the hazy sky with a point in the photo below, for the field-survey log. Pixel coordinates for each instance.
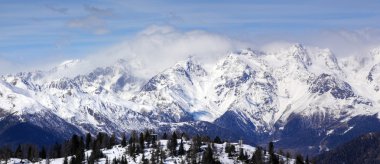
(34, 33)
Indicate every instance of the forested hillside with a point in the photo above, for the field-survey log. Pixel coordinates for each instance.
(147, 148)
(364, 149)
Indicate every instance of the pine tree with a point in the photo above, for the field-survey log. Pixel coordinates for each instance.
(43, 153)
(181, 150)
(217, 140)
(147, 137)
(154, 140)
(5, 154)
(80, 152)
(257, 157)
(75, 147)
(246, 157)
(271, 148)
(192, 154)
(299, 159)
(142, 142)
(30, 153)
(131, 149)
(130, 141)
(96, 152)
(102, 140)
(230, 149)
(65, 160)
(88, 141)
(134, 136)
(112, 141)
(57, 153)
(164, 136)
(18, 152)
(195, 146)
(208, 156)
(74, 144)
(272, 156)
(197, 141)
(172, 144)
(123, 140)
(242, 156)
(288, 155)
(226, 148)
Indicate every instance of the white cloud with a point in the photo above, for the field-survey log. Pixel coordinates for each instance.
(276, 46)
(156, 48)
(345, 42)
(159, 47)
(5, 66)
(341, 42)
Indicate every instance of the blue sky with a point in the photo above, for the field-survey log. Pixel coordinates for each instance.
(37, 32)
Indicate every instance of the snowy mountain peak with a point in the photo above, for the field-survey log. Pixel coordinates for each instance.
(228, 62)
(322, 59)
(193, 66)
(122, 64)
(65, 65)
(300, 54)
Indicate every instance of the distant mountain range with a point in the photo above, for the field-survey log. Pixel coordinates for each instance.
(303, 98)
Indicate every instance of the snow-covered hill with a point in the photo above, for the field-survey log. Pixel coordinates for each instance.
(291, 94)
(118, 152)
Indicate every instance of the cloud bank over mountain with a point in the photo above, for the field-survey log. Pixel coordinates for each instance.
(157, 47)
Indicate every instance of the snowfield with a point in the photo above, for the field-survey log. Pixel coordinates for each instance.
(118, 152)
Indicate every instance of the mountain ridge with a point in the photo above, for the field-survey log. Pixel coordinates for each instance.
(255, 94)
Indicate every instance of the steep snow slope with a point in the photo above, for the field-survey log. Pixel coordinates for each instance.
(17, 100)
(93, 102)
(178, 94)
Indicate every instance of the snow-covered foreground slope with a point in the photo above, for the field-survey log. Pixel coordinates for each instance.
(118, 152)
(287, 94)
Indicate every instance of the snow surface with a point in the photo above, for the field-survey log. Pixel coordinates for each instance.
(118, 152)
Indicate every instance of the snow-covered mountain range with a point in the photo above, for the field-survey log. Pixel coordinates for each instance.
(302, 97)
